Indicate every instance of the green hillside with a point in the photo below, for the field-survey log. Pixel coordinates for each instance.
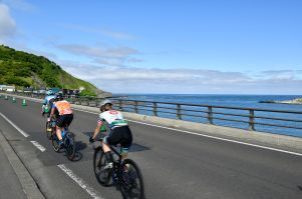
(28, 70)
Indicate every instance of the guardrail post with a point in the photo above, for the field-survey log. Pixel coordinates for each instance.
(251, 120)
(121, 105)
(178, 111)
(210, 114)
(154, 108)
(135, 107)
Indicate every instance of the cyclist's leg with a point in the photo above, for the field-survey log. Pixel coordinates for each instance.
(112, 139)
(126, 142)
(107, 150)
(59, 126)
(43, 110)
(68, 120)
(48, 116)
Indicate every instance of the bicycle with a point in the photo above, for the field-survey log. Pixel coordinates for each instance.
(50, 127)
(125, 174)
(50, 123)
(68, 143)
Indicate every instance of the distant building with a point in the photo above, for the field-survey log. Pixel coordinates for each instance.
(7, 88)
(28, 90)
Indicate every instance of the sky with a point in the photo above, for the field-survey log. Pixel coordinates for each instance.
(183, 47)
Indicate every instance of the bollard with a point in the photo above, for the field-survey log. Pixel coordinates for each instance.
(14, 100)
(24, 102)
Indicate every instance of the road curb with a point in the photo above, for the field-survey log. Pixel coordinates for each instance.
(27, 182)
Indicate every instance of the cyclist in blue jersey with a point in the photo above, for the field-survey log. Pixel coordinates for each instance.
(47, 104)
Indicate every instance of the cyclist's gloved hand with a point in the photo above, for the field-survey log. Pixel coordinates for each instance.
(91, 140)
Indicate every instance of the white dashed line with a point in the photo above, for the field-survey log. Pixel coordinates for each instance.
(80, 182)
(39, 146)
(15, 126)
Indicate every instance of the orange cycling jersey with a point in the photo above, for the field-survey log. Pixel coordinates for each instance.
(63, 107)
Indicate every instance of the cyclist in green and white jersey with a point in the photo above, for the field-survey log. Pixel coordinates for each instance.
(120, 132)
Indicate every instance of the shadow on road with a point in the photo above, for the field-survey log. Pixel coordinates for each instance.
(79, 146)
(299, 187)
(78, 156)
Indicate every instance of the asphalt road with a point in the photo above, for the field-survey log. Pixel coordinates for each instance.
(174, 164)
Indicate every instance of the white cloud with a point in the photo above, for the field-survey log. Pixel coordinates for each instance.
(282, 74)
(117, 35)
(101, 31)
(104, 55)
(20, 5)
(98, 52)
(7, 23)
(152, 80)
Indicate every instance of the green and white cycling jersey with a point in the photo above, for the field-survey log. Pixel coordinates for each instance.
(112, 118)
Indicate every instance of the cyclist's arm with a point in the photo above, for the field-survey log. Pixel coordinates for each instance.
(52, 112)
(97, 129)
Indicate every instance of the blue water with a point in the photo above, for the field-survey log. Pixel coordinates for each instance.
(244, 101)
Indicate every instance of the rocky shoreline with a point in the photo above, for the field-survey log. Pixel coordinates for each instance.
(293, 101)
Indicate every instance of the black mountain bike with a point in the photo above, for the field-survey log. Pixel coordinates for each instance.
(68, 141)
(125, 174)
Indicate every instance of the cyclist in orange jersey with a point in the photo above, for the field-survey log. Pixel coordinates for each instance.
(62, 109)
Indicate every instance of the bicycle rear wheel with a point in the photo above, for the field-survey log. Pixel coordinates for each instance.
(70, 147)
(102, 175)
(132, 185)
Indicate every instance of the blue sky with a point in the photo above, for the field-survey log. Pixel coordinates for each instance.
(192, 46)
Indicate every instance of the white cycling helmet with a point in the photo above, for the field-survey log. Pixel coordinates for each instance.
(104, 102)
(49, 92)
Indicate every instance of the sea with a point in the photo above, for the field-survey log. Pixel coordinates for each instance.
(243, 101)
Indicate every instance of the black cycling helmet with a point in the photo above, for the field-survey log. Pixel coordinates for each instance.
(59, 97)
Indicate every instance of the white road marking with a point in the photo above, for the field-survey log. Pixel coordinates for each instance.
(14, 125)
(39, 146)
(80, 182)
(209, 136)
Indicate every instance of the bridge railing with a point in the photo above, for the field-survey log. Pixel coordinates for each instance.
(249, 118)
(210, 114)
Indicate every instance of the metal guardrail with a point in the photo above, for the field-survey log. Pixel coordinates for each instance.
(209, 113)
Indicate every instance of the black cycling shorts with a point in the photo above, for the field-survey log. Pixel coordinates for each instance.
(120, 135)
(64, 120)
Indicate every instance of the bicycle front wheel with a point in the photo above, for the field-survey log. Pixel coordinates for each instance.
(102, 175)
(132, 185)
(70, 147)
(55, 143)
(48, 130)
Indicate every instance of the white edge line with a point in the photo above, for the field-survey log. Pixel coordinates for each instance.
(14, 125)
(209, 136)
(39, 146)
(79, 181)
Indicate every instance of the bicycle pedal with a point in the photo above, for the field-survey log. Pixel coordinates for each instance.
(108, 166)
